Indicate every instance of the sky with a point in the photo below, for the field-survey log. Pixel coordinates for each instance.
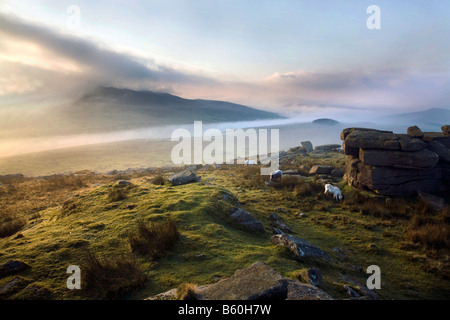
(293, 57)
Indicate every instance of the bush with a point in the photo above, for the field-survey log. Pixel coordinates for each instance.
(158, 180)
(56, 182)
(187, 291)
(153, 239)
(10, 224)
(431, 235)
(117, 194)
(111, 277)
(308, 188)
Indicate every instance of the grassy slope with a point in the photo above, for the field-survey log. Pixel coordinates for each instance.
(209, 248)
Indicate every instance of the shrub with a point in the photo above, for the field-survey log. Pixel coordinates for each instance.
(56, 182)
(158, 180)
(187, 291)
(153, 239)
(111, 277)
(117, 194)
(431, 235)
(308, 188)
(10, 224)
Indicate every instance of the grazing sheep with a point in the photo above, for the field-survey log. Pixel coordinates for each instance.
(276, 175)
(337, 195)
(250, 162)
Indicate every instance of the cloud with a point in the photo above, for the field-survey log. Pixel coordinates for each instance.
(81, 58)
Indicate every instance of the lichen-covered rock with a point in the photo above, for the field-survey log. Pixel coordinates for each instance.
(246, 220)
(299, 247)
(182, 177)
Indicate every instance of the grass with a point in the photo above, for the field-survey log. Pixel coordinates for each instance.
(153, 239)
(111, 277)
(61, 226)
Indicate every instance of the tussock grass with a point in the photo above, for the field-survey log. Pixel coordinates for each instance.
(187, 291)
(153, 239)
(10, 223)
(56, 182)
(111, 277)
(158, 180)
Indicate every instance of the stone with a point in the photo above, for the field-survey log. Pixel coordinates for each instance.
(437, 136)
(415, 132)
(255, 282)
(364, 292)
(299, 247)
(372, 139)
(182, 177)
(410, 144)
(446, 130)
(320, 169)
(442, 151)
(123, 183)
(260, 282)
(351, 291)
(399, 159)
(337, 173)
(312, 276)
(12, 267)
(246, 220)
(390, 181)
(435, 202)
(300, 291)
(307, 145)
(328, 147)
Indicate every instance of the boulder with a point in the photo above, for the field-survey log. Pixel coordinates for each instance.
(300, 291)
(347, 131)
(260, 282)
(408, 143)
(307, 145)
(435, 202)
(328, 147)
(437, 136)
(299, 247)
(278, 223)
(312, 276)
(12, 267)
(399, 159)
(182, 177)
(319, 169)
(123, 183)
(415, 132)
(372, 139)
(255, 282)
(390, 181)
(246, 220)
(446, 130)
(442, 151)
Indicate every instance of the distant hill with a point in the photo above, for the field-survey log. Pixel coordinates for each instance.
(107, 109)
(325, 121)
(128, 109)
(428, 120)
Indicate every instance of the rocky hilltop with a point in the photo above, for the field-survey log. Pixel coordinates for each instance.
(397, 164)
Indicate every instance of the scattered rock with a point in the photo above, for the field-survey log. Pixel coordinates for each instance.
(307, 145)
(320, 169)
(300, 291)
(365, 293)
(446, 130)
(312, 276)
(12, 267)
(278, 223)
(337, 173)
(246, 220)
(11, 286)
(123, 183)
(299, 247)
(182, 177)
(415, 132)
(168, 295)
(328, 147)
(351, 291)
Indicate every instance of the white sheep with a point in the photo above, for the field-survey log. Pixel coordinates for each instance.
(250, 162)
(276, 175)
(337, 195)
